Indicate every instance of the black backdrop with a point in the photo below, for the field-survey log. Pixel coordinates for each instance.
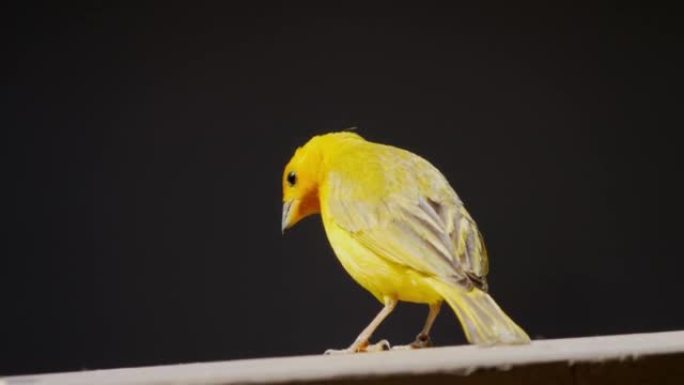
(145, 147)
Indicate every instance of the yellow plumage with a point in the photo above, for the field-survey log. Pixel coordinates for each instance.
(399, 229)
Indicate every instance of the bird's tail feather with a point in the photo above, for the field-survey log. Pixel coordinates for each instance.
(484, 323)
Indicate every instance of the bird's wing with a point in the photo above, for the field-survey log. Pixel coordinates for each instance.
(411, 217)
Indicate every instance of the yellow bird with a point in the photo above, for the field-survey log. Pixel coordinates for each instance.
(399, 229)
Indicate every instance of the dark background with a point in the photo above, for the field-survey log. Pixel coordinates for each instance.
(145, 147)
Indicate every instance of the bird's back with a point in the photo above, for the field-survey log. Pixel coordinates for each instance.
(400, 205)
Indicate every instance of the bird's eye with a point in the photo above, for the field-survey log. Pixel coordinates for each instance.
(291, 178)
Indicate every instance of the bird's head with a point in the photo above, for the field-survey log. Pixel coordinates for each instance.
(300, 183)
(303, 175)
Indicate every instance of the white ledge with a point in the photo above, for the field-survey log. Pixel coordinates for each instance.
(560, 357)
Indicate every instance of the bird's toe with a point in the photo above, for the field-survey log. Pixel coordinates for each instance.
(422, 341)
(361, 347)
(381, 346)
(333, 352)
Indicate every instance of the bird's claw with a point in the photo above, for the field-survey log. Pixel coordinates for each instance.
(361, 347)
(422, 341)
(380, 346)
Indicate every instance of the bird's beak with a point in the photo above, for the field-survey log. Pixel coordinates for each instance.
(287, 212)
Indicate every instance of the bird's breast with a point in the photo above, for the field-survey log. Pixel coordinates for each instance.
(374, 273)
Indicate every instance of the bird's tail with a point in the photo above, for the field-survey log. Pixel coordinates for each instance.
(483, 321)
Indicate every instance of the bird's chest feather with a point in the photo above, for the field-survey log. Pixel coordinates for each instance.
(374, 273)
(367, 269)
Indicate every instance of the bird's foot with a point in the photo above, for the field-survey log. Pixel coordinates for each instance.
(422, 341)
(361, 347)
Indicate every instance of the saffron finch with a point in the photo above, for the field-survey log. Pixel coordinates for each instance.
(401, 232)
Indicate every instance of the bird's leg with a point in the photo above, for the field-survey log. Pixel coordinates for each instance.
(361, 343)
(423, 338)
